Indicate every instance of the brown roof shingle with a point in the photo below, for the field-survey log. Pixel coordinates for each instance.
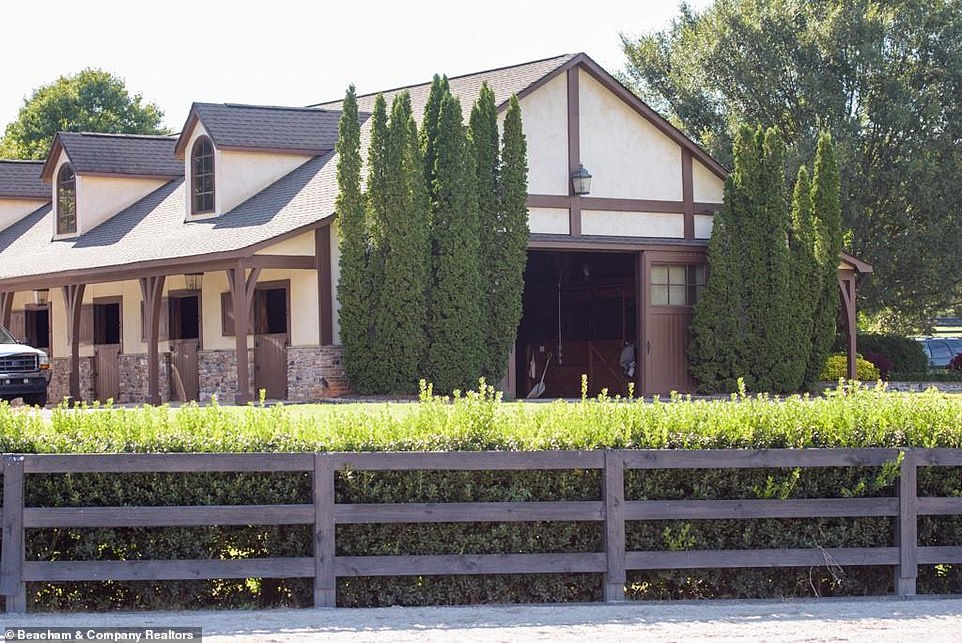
(21, 180)
(296, 129)
(116, 154)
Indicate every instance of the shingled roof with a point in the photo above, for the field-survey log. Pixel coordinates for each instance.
(115, 154)
(21, 180)
(253, 127)
(153, 229)
(504, 81)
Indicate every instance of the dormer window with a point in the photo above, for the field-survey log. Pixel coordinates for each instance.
(202, 177)
(66, 200)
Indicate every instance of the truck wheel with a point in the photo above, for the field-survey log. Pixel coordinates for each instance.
(38, 399)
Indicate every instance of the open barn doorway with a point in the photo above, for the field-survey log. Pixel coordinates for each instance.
(579, 316)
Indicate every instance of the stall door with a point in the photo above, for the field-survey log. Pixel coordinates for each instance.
(184, 329)
(271, 340)
(107, 343)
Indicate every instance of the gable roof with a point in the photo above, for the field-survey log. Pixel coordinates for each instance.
(21, 180)
(527, 77)
(253, 127)
(137, 155)
(503, 81)
(153, 232)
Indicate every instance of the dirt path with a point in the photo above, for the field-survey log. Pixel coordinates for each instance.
(870, 620)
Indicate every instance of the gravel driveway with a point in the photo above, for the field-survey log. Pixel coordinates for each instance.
(874, 620)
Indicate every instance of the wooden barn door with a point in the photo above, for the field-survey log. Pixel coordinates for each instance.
(184, 329)
(271, 337)
(107, 326)
(670, 285)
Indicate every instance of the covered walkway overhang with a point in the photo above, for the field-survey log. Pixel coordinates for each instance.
(242, 268)
(851, 271)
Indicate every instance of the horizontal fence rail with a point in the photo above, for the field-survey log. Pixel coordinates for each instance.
(611, 510)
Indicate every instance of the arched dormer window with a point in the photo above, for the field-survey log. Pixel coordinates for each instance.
(66, 200)
(202, 176)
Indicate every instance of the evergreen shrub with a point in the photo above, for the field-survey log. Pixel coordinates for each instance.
(852, 416)
(836, 368)
(905, 353)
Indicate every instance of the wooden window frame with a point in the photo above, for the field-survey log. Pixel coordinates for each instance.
(202, 166)
(106, 301)
(66, 200)
(227, 307)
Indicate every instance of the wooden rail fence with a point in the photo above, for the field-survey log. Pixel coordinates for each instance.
(613, 510)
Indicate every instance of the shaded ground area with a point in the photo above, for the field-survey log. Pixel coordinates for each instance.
(874, 620)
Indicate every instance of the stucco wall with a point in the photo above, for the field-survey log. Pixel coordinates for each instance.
(549, 220)
(707, 187)
(703, 226)
(301, 245)
(626, 155)
(632, 224)
(544, 115)
(101, 197)
(12, 210)
(335, 278)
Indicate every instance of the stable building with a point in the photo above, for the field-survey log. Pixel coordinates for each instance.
(205, 264)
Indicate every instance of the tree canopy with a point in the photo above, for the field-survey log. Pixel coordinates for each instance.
(91, 100)
(883, 77)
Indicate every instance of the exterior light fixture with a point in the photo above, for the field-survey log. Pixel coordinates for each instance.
(194, 280)
(581, 180)
(41, 296)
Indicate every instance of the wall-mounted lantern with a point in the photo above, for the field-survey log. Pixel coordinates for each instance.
(41, 296)
(581, 181)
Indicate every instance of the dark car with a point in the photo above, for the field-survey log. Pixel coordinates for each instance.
(941, 350)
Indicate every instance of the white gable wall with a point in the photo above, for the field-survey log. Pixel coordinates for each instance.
(708, 188)
(12, 210)
(544, 115)
(628, 157)
(238, 175)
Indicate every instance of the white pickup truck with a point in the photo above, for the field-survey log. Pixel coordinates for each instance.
(24, 371)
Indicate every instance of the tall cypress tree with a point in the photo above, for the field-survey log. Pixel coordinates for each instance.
(354, 286)
(483, 142)
(511, 243)
(400, 317)
(718, 346)
(454, 354)
(828, 244)
(806, 284)
(429, 130)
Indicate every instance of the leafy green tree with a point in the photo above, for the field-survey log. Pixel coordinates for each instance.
(718, 347)
(509, 251)
(483, 142)
(828, 244)
(454, 353)
(884, 78)
(429, 130)
(401, 317)
(91, 100)
(806, 287)
(354, 288)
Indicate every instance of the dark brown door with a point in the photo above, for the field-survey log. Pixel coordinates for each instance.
(107, 325)
(666, 351)
(107, 371)
(271, 332)
(184, 379)
(270, 365)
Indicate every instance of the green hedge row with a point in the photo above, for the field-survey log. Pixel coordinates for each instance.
(853, 416)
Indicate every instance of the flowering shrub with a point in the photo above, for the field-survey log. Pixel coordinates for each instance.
(836, 367)
(881, 362)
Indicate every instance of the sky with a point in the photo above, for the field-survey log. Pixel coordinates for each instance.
(283, 52)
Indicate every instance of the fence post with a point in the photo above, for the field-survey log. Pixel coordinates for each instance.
(11, 558)
(325, 581)
(614, 491)
(907, 533)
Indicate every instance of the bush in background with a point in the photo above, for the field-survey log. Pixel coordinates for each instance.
(836, 368)
(905, 354)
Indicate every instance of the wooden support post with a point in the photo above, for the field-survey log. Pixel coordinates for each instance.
(325, 304)
(152, 289)
(325, 581)
(908, 533)
(574, 150)
(73, 296)
(242, 295)
(6, 306)
(614, 492)
(12, 585)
